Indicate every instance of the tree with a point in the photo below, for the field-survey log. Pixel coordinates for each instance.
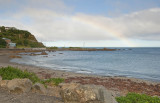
(2, 43)
(2, 29)
(26, 35)
(26, 42)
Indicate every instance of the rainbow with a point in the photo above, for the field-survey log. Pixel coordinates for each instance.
(107, 30)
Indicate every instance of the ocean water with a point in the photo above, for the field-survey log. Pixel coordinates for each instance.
(143, 63)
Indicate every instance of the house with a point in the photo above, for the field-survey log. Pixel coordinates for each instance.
(7, 40)
(7, 28)
(9, 43)
(12, 45)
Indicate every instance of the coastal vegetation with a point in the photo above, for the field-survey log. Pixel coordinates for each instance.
(137, 98)
(22, 38)
(9, 73)
(52, 48)
(79, 49)
(2, 43)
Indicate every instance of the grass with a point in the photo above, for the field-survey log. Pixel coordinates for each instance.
(21, 46)
(137, 98)
(53, 81)
(52, 48)
(9, 73)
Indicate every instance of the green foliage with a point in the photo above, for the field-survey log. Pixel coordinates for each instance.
(26, 42)
(2, 43)
(53, 48)
(137, 98)
(2, 29)
(75, 48)
(20, 37)
(9, 73)
(55, 81)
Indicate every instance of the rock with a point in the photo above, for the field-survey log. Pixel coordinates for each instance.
(53, 91)
(44, 53)
(15, 56)
(76, 93)
(39, 88)
(19, 85)
(32, 54)
(3, 83)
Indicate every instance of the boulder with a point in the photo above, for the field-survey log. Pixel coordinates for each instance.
(76, 93)
(44, 53)
(32, 54)
(53, 91)
(19, 85)
(39, 88)
(15, 56)
(3, 83)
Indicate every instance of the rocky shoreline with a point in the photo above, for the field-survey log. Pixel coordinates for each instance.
(118, 86)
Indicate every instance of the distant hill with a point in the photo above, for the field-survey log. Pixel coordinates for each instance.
(22, 38)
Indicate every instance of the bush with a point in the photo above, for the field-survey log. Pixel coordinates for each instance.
(137, 98)
(54, 81)
(9, 73)
(2, 29)
(2, 43)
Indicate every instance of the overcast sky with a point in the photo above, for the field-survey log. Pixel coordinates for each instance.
(103, 23)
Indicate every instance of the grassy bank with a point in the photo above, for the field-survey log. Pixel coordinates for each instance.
(9, 73)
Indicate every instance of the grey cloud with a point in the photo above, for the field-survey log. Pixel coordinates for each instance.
(49, 24)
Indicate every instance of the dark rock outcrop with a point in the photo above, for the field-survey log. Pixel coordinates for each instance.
(44, 53)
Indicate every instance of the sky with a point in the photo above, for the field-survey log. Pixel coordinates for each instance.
(86, 23)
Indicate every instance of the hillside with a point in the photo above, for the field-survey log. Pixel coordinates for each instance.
(22, 38)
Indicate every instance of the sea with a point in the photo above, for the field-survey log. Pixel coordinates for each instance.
(142, 63)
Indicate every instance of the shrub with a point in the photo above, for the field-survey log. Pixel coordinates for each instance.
(2, 43)
(2, 29)
(137, 98)
(53, 81)
(9, 73)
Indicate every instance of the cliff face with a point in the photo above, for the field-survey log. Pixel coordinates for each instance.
(22, 38)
